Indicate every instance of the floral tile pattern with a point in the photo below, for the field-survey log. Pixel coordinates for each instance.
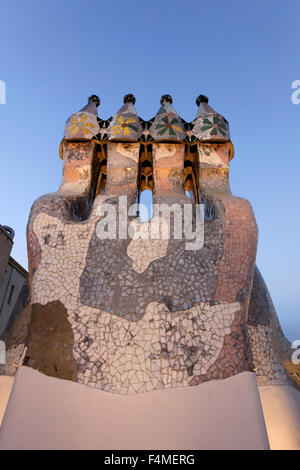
(125, 127)
(81, 125)
(213, 127)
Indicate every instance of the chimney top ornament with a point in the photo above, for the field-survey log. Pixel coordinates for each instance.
(201, 99)
(167, 98)
(129, 98)
(94, 99)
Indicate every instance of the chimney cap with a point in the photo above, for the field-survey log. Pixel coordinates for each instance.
(94, 99)
(201, 99)
(167, 98)
(129, 98)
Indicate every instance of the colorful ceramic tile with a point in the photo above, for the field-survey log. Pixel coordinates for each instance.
(83, 124)
(209, 125)
(125, 124)
(167, 124)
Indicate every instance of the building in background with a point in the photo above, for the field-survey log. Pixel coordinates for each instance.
(6, 243)
(12, 277)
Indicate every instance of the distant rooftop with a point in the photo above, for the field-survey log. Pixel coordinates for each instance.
(8, 231)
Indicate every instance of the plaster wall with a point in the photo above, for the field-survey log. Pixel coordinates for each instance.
(6, 384)
(281, 406)
(49, 413)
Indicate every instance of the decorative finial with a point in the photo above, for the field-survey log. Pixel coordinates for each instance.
(201, 99)
(167, 98)
(129, 98)
(94, 99)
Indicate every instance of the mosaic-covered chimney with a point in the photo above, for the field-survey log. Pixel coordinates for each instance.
(127, 313)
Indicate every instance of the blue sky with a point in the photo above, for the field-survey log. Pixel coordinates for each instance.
(243, 54)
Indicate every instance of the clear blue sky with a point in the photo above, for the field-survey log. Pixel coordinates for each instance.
(243, 54)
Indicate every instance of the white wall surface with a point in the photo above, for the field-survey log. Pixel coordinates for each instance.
(281, 406)
(6, 384)
(49, 413)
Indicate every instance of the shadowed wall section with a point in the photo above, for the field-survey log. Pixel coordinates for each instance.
(51, 332)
